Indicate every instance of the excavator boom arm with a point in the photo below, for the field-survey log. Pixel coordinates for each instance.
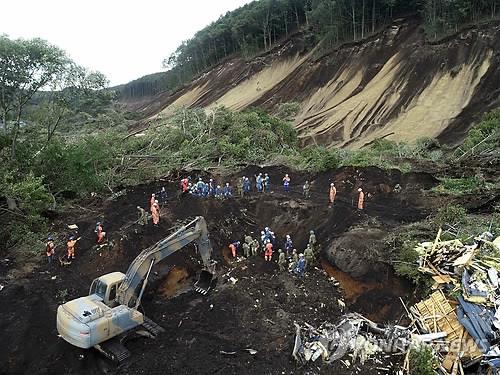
(196, 231)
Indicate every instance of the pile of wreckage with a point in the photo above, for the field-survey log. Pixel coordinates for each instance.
(354, 336)
(465, 307)
(462, 330)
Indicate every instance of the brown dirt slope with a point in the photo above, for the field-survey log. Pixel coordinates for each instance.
(393, 85)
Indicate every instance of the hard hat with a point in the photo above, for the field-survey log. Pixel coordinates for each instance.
(280, 251)
(211, 180)
(199, 179)
(227, 183)
(360, 189)
(156, 202)
(71, 238)
(332, 184)
(294, 250)
(153, 194)
(312, 232)
(265, 174)
(287, 236)
(266, 229)
(50, 238)
(261, 232)
(98, 223)
(301, 255)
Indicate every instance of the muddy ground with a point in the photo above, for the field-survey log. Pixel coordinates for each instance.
(255, 313)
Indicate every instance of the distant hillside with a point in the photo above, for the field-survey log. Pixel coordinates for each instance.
(393, 85)
(259, 26)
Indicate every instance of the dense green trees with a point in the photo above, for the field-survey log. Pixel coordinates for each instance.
(32, 71)
(26, 66)
(257, 26)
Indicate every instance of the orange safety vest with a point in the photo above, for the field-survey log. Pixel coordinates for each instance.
(155, 213)
(361, 200)
(269, 249)
(333, 193)
(233, 249)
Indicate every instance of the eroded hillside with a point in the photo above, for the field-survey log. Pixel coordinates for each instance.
(393, 85)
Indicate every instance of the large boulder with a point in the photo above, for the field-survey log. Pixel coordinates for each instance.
(357, 252)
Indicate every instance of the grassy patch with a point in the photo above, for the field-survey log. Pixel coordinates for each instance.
(460, 186)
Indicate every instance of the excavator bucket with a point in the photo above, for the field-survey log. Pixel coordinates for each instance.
(205, 282)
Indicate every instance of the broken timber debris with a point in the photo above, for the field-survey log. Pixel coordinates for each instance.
(471, 321)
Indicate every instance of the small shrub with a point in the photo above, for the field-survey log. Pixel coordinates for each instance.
(320, 158)
(287, 111)
(422, 361)
(451, 214)
(485, 136)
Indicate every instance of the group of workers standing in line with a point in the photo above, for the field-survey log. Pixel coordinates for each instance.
(262, 185)
(287, 259)
(205, 190)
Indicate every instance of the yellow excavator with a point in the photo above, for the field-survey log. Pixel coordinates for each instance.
(104, 318)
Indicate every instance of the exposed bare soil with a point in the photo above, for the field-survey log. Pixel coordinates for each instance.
(257, 312)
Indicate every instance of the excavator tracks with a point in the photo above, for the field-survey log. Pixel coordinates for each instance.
(152, 327)
(114, 350)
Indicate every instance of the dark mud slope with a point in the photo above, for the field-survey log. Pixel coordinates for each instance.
(256, 312)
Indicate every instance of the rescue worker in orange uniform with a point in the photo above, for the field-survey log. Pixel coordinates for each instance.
(71, 247)
(332, 194)
(100, 233)
(155, 213)
(50, 249)
(268, 253)
(152, 201)
(361, 199)
(234, 249)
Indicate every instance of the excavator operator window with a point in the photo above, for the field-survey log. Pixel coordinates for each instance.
(112, 293)
(99, 288)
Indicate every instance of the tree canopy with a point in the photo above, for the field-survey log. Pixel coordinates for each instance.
(35, 70)
(257, 26)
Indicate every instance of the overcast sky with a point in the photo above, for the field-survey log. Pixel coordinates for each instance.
(124, 39)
